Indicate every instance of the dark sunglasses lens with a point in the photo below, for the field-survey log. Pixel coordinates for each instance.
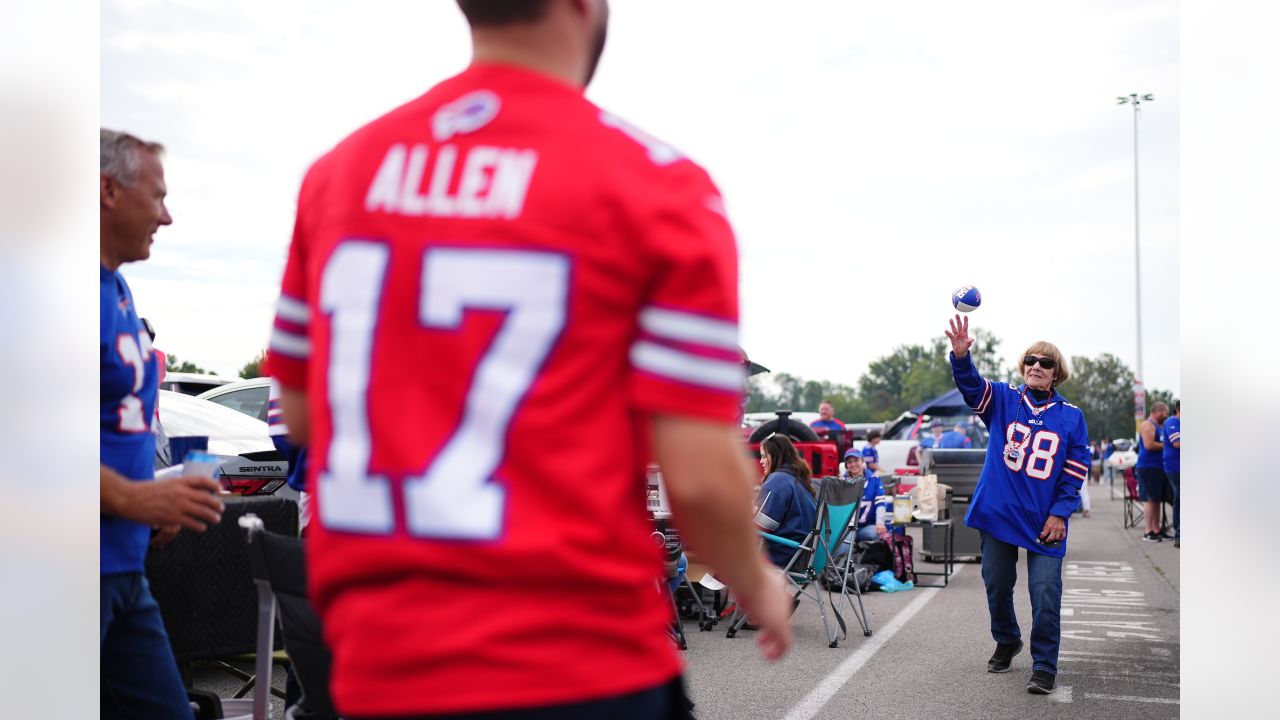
(1046, 363)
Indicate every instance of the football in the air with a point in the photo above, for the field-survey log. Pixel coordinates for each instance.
(966, 298)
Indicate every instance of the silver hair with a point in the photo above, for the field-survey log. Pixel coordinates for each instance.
(120, 155)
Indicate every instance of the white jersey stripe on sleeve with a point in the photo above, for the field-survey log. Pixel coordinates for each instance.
(287, 343)
(685, 367)
(986, 398)
(295, 311)
(669, 324)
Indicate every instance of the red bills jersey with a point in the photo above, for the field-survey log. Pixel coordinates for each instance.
(489, 291)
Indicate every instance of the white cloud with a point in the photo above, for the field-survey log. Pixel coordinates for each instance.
(872, 157)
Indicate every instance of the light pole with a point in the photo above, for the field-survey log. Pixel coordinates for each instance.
(1139, 396)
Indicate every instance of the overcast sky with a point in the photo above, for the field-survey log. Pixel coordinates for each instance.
(872, 156)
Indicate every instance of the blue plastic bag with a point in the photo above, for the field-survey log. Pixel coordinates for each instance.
(889, 583)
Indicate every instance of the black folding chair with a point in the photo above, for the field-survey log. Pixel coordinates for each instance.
(280, 572)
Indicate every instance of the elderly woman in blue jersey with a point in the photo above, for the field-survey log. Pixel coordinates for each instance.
(786, 503)
(1037, 461)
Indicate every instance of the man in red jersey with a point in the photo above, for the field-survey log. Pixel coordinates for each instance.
(500, 303)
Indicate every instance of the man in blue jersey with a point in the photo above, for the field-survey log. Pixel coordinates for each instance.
(1153, 486)
(827, 420)
(1037, 461)
(1171, 456)
(955, 438)
(139, 675)
(935, 439)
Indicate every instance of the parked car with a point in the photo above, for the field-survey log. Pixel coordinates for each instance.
(243, 396)
(229, 432)
(192, 383)
(258, 467)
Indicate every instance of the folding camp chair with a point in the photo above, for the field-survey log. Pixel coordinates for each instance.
(841, 499)
(837, 501)
(279, 571)
(1133, 514)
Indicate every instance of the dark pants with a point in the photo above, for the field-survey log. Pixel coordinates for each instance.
(1174, 479)
(139, 674)
(1153, 486)
(1044, 581)
(664, 702)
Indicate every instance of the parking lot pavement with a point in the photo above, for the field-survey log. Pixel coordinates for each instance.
(928, 651)
(927, 656)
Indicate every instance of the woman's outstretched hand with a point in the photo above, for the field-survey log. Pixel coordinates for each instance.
(959, 336)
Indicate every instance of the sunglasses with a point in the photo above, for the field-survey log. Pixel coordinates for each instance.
(1046, 363)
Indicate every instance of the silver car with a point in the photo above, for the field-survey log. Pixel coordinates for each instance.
(243, 396)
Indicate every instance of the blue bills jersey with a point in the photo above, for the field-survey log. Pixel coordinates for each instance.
(870, 454)
(1150, 458)
(1017, 492)
(866, 509)
(129, 390)
(1171, 455)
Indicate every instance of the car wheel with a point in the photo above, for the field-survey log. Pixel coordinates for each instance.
(793, 429)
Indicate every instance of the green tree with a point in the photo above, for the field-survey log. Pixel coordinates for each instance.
(789, 392)
(1103, 388)
(884, 385)
(1155, 395)
(908, 376)
(253, 368)
(912, 374)
(760, 397)
(985, 352)
(171, 364)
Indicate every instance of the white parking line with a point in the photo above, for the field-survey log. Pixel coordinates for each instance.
(810, 704)
(1120, 614)
(1110, 655)
(1133, 698)
(1061, 694)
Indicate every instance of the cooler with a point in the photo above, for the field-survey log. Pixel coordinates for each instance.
(960, 470)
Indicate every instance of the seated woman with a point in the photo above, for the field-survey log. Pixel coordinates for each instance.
(855, 466)
(786, 503)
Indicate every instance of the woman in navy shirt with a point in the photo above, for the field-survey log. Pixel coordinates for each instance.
(786, 500)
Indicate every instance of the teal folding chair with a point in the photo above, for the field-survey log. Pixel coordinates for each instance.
(837, 501)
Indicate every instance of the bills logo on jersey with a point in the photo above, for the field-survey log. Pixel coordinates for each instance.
(465, 115)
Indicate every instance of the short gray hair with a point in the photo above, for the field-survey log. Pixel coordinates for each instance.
(120, 155)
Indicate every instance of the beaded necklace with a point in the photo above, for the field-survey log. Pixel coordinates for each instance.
(1014, 450)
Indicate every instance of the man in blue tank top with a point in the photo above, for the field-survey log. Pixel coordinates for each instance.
(1153, 486)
